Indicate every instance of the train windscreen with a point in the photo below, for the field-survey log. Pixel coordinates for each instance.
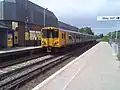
(49, 33)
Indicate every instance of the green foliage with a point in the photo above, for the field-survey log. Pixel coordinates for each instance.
(101, 36)
(114, 35)
(97, 37)
(86, 30)
(106, 38)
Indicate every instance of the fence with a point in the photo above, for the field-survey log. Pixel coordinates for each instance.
(115, 44)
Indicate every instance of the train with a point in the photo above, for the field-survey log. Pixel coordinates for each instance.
(55, 38)
(21, 30)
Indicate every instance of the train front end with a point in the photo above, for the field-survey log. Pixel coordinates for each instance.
(50, 38)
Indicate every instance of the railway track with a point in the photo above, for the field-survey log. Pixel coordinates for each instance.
(20, 60)
(12, 76)
(11, 70)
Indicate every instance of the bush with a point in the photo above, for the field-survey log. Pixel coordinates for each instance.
(105, 38)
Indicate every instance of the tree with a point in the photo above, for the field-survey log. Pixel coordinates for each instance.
(86, 30)
(82, 30)
(114, 35)
(101, 36)
(96, 36)
(105, 38)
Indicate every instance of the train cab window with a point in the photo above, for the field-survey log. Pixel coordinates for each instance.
(55, 33)
(44, 33)
(49, 33)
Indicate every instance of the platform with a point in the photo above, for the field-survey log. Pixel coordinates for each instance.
(96, 69)
(16, 49)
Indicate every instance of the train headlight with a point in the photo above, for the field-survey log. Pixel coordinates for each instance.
(43, 43)
(56, 43)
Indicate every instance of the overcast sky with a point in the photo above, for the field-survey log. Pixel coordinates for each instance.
(83, 13)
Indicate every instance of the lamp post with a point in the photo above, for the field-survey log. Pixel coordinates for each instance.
(26, 20)
(117, 28)
(26, 23)
(45, 15)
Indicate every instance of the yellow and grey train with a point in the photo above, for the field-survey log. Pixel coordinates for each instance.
(55, 38)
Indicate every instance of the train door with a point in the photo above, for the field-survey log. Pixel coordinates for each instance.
(55, 36)
(75, 38)
(70, 40)
(63, 36)
(50, 38)
(65, 40)
(80, 38)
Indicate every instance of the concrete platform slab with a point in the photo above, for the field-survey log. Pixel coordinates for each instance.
(96, 69)
(18, 49)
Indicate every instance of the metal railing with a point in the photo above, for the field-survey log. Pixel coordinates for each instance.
(115, 44)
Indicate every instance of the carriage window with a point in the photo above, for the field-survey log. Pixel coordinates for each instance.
(82, 36)
(70, 37)
(62, 35)
(79, 36)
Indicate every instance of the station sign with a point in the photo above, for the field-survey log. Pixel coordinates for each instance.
(108, 18)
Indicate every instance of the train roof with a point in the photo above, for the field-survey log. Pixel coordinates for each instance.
(75, 32)
(67, 30)
(67, 26)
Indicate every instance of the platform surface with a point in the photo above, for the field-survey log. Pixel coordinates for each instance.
(9, 50)
(96, 69)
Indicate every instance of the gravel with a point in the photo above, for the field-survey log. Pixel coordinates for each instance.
(28, 85)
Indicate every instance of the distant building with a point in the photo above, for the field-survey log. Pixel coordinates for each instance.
(25, 17)
(22, 10)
